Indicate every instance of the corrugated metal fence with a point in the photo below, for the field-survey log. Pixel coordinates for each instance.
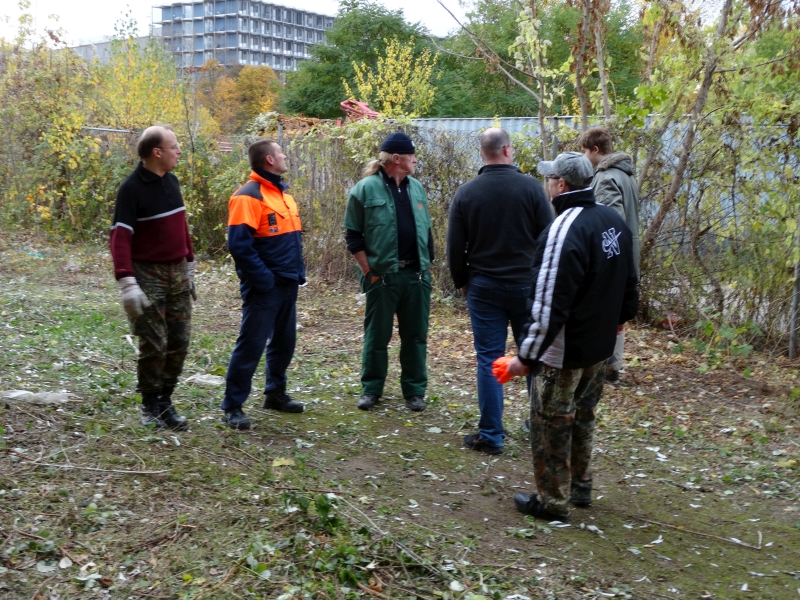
(511, 124)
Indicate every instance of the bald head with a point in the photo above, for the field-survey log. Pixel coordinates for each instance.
(159, 149)
(496, 147)
(151, 138)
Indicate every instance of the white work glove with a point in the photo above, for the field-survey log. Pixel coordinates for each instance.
(134, 300)
(190, 266)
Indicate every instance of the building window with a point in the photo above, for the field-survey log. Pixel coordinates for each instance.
(289, 33)
(187, 28)
(220, 7)
(198, 26)
(197, 10)
(219, 24)
(230, 23)
(209, 9)
(287, 16)
(208, 42)
(309, 35)
(279, 29)
(198, 43)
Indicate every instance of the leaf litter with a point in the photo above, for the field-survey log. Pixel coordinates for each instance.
(691, 458)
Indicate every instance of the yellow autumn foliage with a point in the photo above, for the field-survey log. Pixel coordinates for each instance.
(400, 84)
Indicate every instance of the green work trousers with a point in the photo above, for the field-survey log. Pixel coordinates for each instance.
(406, 294)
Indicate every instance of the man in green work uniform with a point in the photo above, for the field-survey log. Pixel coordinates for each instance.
(389, 235)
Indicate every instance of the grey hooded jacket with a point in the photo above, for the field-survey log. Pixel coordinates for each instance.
(614, 186)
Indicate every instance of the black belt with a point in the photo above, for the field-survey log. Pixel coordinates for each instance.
(408, 264)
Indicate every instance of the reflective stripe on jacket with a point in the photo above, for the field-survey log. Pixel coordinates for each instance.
(265, 234)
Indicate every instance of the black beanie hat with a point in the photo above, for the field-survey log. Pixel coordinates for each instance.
(398, 143)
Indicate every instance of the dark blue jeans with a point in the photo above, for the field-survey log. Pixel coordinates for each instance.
(268, 321)
(493, 304)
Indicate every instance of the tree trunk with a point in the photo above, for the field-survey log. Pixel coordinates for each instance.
(580, 67)
(712, 58)
(601, 71)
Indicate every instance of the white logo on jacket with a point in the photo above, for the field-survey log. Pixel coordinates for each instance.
(611, 242)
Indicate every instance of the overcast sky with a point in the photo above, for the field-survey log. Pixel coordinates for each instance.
(93, 20)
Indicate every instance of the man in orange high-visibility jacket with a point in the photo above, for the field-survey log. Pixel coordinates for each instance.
(265, 241)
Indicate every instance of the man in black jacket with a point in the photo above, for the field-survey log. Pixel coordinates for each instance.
(585, 288)
(495, 220)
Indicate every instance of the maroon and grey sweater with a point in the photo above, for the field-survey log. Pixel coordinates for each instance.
(149, 222)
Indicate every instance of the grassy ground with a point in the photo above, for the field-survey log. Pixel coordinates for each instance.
(696, 494)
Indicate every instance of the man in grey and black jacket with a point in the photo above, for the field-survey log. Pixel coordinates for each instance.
(584, 288)
(614, 186)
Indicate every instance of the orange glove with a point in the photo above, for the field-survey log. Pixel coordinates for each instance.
(500, 369)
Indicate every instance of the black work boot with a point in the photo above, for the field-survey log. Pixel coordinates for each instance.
(151, 413)
(167, 411)
(415, 403)
(236, 419)
(581, 493)
(368, 401)
(531, 504)
(278, 399)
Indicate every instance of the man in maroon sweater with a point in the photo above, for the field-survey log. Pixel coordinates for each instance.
(154, 266)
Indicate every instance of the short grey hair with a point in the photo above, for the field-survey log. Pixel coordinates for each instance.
(493, 140)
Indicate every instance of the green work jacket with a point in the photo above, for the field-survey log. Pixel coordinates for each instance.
(371, 211)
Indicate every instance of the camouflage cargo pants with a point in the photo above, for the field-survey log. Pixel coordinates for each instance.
(165, 326)
(563, 403)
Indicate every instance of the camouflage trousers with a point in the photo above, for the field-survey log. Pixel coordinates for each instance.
(563, 403)
(165, 326)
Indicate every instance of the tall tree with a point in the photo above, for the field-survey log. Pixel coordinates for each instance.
(399, 84)
(482, 56)
(258, 89)
(471, 86)
(357, 35)
(218, 93)
(140, 85)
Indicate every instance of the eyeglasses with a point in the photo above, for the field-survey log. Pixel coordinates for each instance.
(553, 177)
(175, 147)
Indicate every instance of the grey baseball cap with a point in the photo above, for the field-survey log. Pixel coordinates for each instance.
(572, 167)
